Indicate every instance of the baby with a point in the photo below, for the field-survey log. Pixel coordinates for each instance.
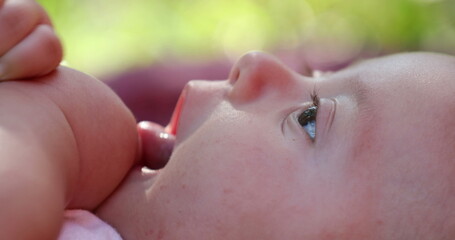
(364, 153)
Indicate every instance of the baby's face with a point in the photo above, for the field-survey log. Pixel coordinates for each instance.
(248, 164)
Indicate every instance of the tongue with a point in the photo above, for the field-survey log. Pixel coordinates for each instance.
(157, 144)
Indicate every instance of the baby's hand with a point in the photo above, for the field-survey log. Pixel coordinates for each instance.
(28, 45)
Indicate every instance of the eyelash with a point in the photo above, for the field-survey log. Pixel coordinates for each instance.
(315, 98)
(307, 119)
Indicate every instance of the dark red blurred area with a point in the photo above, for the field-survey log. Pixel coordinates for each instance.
(151, 93)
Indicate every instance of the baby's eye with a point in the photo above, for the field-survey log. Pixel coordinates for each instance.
(307, 119)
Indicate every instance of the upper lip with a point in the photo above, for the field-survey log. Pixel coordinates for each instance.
(196, 102)
(172, 127)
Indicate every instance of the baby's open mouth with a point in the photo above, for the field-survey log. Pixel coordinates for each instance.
(158, 142)
(173, 125)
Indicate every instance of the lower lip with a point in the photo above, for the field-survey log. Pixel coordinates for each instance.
(172, 127)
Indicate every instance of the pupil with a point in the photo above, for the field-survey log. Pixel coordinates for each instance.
(307, 115)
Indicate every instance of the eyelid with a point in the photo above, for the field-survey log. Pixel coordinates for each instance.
(325, 117)
(332, 113)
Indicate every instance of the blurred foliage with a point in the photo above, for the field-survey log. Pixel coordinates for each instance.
(106, 36)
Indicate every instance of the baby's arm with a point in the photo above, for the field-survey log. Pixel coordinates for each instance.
(67, 141)
(28, 44)
(37, 159)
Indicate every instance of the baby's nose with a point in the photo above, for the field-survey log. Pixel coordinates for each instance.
(258, 74)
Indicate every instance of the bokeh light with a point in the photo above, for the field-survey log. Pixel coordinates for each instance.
(109, 36)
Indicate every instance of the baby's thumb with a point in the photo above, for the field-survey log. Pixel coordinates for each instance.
(157, 145)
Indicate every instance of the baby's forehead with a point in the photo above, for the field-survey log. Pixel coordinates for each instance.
(418, 62)
(423, 79)
(421, 72)
(417, 87)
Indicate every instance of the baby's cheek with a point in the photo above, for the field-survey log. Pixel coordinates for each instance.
(347, 215)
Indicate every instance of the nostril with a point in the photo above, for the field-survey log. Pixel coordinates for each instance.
(256, 74)
(234, 75)
(250, 60)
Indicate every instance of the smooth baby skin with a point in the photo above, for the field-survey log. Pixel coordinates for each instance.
(67, 142)
(381, 165)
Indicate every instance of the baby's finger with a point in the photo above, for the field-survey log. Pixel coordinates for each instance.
(45, 19)
(36, 55)
(18, 18)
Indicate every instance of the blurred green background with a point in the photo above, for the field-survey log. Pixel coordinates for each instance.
(105, 37)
